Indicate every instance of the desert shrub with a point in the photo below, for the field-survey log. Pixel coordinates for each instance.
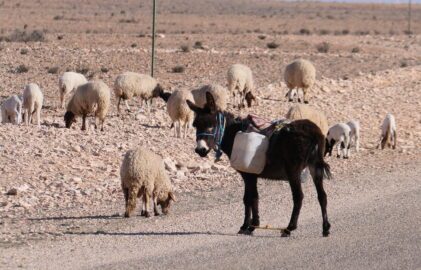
(132, 20)
(24, 51)
(83, 70)
(104, 70)
(345, 32)
(60, 37)
(261, 37)
(198, 45)
(184, 48)
(141, 35)
(362, 32)
(58, 17)
(178, 69)
(133, 45)
(22, 69)
(330, 17)
(53, 70)
(323, 47)
(272, 45)
(304, 31)
(356, 50)
(23, 36)
(407, 32)
(403, 64)
(324, 32)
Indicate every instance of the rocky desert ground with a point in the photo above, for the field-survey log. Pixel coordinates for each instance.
(66, 181)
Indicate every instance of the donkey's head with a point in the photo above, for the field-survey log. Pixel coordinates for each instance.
(209, 124)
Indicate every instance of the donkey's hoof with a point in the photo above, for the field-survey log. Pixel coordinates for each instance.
(305, 102)
(147, 214)
(290, 100)
(286, 233)
(326, 233)
(142, 213)
(338, 156)
(126, 215)
(245, 232)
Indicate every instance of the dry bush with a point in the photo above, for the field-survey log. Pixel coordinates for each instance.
(178, 69)
(185, 48)
(53, 70)
(22, 69)
(23, 36)
(272, 45)
(323, 47)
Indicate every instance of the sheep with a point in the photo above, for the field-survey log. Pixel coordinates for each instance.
(388, 136)
(11, 110)
(143, 174)
(299, 74)
(241, 85)
(340, 134)
(69, 82)
(32, 103)
(179, 111)
(91, 97)
(302, 111)
(131, 84)
(355, 134)
(218, 92)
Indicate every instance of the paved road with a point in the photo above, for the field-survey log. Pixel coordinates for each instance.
(375, 225)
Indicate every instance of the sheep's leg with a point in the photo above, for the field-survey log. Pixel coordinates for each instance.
(143, 213)
(39, 116)
(174, 124)
(126, 196)
(3, 115)
(127, 105)
(131, 203)
(84, 122)
(357, 143)
(62, 96)
(185, 126)
(155, 205)
(347, 145)
(394, 139)
(338, 148)
(118, 105)
(178, 129)
(305, 95)
(147, 198)
(291, 94)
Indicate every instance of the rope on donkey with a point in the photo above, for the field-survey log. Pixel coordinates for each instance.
(267, 227)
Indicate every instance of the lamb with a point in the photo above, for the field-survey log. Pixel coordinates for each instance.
(91, 97)
(218, 92)
(355, 134)
(179, 111)
(69, 82)
(143, 174)
(11, 110)
(302, 111)
(32, 103)
(299, 74)
(131, 84)
(340, 134)
(388, 136)
(241, 85)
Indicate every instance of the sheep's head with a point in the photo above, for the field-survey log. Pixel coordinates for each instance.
(69, 119)
(164, 200)
(249, 98)
(158, 91)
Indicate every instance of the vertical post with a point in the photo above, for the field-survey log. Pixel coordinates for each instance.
(153, 37)
(409, 17)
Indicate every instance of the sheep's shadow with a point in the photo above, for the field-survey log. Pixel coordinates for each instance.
(115, 216)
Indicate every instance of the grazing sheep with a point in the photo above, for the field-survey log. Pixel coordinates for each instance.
(302, 111)
(340, 134)
(241, 85)
(69, 82)
(143, 174)
(218, 92)
(179, 111)
(355, 134)
(91, 97)
(388, 136)
(299, 74)
(32, 103)
(131, 84)
(11, 110)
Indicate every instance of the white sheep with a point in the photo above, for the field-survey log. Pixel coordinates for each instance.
(299, 74)
(241, 84)
(218, 92)
(143, 174)
(303, 111)
(11, 110)
(131, 84)
(179, 111)
(32, 103)
(91, 97)
(388, 136)
(338, 134)
(68, 83)
(355, 134)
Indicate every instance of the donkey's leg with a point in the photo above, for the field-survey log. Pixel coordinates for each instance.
(317, 175)
(297, 196)
(251, 203)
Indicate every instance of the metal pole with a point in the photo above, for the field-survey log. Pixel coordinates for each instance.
(409, 17)
(153, 37)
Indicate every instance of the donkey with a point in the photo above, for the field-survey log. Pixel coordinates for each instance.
(296, 146)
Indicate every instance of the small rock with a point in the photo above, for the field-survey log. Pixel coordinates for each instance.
(76, 148)
(170, 165)
(12, 192)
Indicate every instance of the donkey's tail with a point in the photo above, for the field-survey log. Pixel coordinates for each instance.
(322, 168)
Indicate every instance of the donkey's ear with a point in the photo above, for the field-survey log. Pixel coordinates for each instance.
(193, 107)
(210, 101)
